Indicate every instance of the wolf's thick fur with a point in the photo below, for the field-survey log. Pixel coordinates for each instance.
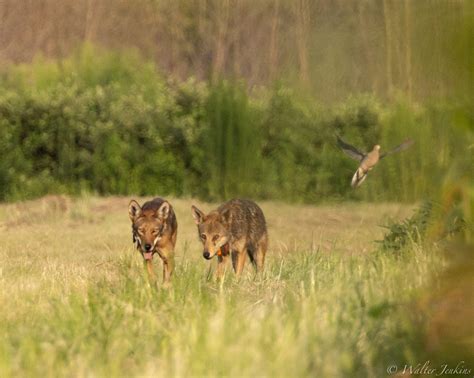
(237, 229)
(154, 230)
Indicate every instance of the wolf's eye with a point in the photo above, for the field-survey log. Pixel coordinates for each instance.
(203, 236)
(141, 231)
(215, 237)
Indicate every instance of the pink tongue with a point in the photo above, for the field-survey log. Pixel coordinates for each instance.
(148, 255)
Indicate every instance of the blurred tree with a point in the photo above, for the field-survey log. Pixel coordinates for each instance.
(331, 48)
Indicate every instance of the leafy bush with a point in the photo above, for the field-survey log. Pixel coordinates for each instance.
(412, 229)
(108, 122)
(432, 221)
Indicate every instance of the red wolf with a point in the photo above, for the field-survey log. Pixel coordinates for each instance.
(154, 230)
(237, 228)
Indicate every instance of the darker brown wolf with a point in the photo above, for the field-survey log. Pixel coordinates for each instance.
(154, 230)
(237, 228)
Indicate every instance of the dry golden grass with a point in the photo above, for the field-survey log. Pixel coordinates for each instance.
(324, 227)
(76, 301)
(48, 241)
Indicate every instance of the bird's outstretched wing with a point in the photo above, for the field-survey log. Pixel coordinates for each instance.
(400, 147)
(351, 151)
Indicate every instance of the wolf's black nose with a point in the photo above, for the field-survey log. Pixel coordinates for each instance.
(147, 247)
(206, 255)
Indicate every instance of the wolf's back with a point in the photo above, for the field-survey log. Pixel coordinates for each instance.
(245, 219)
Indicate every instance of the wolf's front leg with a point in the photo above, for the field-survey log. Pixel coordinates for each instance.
(241, 257)
(150, 271)
(221, 266)
(168, 265)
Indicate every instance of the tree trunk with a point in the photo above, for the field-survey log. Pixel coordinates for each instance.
(388, 48)
(222, 20)
(202, 69)
(88, 27)
(302, 28)
(409, 83)
(369, 68)
(273, 56)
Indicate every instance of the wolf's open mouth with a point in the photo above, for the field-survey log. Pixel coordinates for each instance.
(148, 255)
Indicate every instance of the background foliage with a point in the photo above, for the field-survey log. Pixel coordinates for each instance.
(217, 99)
(108, 122)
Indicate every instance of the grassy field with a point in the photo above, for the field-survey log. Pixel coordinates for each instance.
(75, 300)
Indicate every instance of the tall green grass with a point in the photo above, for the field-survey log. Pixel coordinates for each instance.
(310, 314)
(232, 143)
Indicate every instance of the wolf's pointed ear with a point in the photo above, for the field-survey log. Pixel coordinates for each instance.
(198, 215)
(225, 215)
(163, 211)
(134, 210)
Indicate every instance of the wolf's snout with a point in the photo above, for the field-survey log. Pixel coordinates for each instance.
(206, 255)
(147, 247)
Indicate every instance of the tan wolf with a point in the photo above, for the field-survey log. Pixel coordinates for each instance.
(237, 228)
(154, 230)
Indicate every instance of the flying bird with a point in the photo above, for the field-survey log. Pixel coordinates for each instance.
(368, 160)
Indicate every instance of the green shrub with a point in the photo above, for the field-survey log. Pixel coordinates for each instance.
(232, 143)
(413, 229)
(108, 122)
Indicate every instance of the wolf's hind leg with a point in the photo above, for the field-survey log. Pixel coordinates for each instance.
(234, 255)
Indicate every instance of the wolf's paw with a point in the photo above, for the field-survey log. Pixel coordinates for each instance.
(167, 285)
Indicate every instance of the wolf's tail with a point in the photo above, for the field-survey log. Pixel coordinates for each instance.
(358, 178)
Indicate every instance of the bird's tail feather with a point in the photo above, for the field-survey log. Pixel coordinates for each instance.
(358, 178)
